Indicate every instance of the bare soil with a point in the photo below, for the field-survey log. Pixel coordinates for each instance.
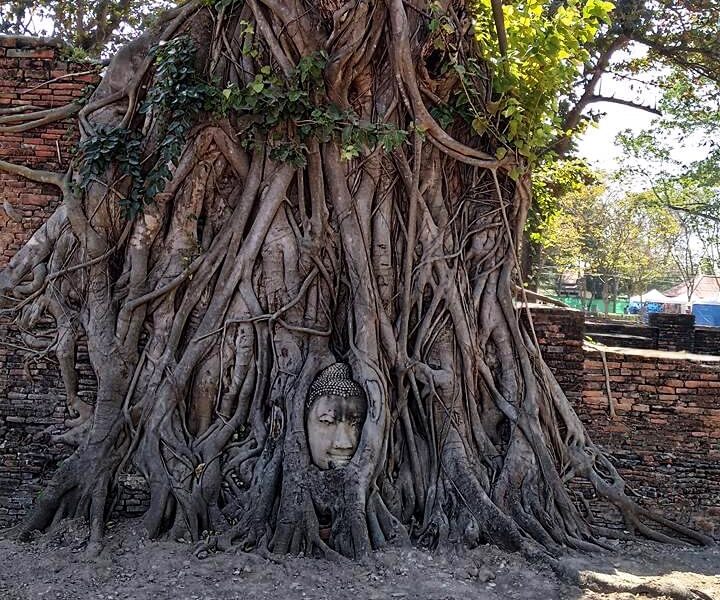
(53, 566)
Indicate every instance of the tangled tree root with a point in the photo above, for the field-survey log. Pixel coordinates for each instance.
(257, 247)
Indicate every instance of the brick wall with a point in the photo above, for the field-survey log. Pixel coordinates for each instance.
(675, 332)
(32, 407)
(33, 74)
(666, 331)
(622, 334)
(665, 438)
(560, 333)
(707, 340)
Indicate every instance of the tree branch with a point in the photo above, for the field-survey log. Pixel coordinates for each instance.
(572, 119)
(630, 103)
(499, 20)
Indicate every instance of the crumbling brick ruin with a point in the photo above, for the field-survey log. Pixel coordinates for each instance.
(665, 436)
(34, 74)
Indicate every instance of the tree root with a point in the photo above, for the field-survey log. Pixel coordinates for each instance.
(209, 314)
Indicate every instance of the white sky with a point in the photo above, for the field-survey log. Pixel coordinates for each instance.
(597, 144)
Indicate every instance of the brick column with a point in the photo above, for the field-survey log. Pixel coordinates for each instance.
(560, 333)
(675, 332)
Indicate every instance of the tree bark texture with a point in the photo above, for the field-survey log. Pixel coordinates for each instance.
(208, 314)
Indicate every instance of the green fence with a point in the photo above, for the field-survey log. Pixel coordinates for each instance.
(596, 306)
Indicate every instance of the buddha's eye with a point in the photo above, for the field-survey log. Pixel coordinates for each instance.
(326, 420)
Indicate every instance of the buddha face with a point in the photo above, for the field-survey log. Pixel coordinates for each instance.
(333, 427)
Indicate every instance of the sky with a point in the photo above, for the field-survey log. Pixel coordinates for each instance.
(597, 144)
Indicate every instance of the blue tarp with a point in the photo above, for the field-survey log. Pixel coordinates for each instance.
(707, 314)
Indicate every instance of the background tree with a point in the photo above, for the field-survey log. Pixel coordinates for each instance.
(678, 43)
(677, 161)
(622, 242)
(90, 26)
(678, 36)
(263, 189)
(553, 178)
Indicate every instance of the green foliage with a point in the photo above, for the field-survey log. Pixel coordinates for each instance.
(176, 97)
(553, 179)
(677, 161)
(677, 164)
(289, 152)
(109, 145)
(680, 147)
(676, 34)
(548, 45)
(600, 234)
(278, 107)
(75, 54)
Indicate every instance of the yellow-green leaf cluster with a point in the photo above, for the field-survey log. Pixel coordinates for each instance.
(547, 48)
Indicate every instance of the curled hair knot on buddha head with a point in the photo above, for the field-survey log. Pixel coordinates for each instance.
(335, 380)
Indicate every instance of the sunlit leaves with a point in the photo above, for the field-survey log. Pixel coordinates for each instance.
(546, 51)
(608, 236)
(553, 179)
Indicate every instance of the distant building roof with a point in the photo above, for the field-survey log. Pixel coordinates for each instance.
(704, 287)
(658, 297)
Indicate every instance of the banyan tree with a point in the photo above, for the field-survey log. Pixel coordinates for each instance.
(289, 237)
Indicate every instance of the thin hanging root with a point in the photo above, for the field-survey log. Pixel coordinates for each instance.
(27, 121)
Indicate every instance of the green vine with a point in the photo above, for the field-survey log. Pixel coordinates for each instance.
(177, 97)
(284, 113)
(280, 106)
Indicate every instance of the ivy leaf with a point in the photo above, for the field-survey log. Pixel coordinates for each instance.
(479, 125)
(349, 152)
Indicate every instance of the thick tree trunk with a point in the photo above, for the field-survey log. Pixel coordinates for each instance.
(209, 315)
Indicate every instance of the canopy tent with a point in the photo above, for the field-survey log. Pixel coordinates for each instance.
(657, 297)
(713, 299)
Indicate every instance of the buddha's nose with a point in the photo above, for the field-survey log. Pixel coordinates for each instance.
(343, 439)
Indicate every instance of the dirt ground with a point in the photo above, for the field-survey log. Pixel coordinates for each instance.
(130, 567)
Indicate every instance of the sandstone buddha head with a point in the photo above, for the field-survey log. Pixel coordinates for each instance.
(334, 416)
